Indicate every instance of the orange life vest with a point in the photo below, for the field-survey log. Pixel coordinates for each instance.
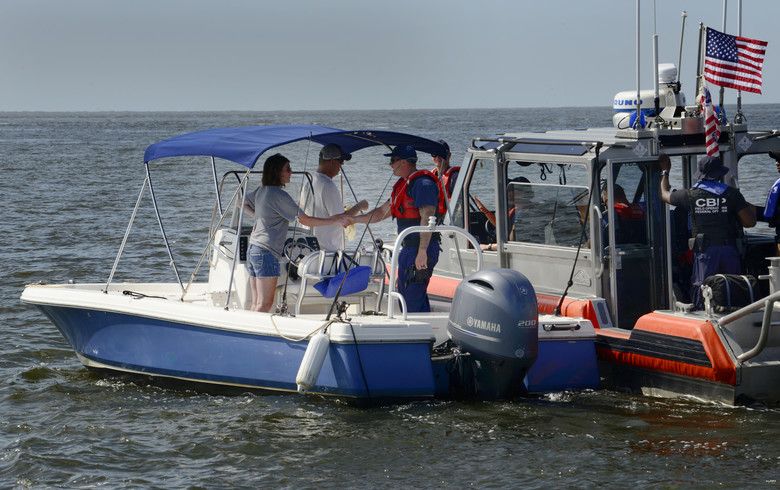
(629, 211)
(402, 204)
(446, 177)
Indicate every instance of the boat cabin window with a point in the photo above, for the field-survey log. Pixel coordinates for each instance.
(629, 203)
(547, 203)
(478, 193)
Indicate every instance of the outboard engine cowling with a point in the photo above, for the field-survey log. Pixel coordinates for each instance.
(494, 318)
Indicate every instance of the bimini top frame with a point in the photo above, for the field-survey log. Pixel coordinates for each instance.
(245, 146)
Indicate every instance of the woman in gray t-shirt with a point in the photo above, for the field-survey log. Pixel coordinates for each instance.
(273, 209)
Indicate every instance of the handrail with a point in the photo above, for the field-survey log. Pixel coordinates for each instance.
(772, 133)
(535, 141)
(746, 310)
(597, 241)
(768, 304)
(762, 337)
(414, 229)
(401, 299)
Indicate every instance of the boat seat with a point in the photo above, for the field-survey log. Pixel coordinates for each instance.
(323, 265)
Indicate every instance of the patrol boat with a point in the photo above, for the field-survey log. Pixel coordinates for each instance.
(338, 331)
(579, 214)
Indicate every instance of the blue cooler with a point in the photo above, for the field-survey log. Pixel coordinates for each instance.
(566, 358)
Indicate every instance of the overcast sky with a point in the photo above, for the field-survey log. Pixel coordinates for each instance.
(96, 55)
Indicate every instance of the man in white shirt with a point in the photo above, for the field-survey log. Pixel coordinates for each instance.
(325, 200)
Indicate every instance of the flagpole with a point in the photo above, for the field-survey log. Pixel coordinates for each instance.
(738, 117)
(721, 111)
(699, 68)
(656, 99)
(638, 89)
(682, 39)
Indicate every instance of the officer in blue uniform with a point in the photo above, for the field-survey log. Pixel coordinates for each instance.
(417, 195)
(715, 212)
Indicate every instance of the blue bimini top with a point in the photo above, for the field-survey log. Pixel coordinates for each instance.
(245, 145)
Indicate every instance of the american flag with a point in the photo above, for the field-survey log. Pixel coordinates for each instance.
(711, 124)
(733, 61)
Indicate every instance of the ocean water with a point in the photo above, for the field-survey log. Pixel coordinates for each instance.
(70, 183)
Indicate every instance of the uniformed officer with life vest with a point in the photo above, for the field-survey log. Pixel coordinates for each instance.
(442, 170)
(417, 195)
(716, 212)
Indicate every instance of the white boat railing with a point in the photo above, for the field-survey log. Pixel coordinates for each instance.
(768, 304)
(431, 228)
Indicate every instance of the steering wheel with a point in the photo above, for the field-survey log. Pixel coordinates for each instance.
(296, 250)
(490, 229)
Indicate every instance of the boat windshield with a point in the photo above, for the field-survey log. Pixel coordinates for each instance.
(546, 203)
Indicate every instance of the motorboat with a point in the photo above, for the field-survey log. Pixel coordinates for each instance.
(555, 198)
(340, 329)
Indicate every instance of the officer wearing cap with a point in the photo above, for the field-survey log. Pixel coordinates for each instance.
(417, 195)
(323, 199)
(448, 175)
(715, 211)
(771, 211)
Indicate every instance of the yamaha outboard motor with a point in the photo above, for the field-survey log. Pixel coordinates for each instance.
(494, 318)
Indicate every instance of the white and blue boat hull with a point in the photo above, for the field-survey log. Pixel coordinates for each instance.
(235, 351)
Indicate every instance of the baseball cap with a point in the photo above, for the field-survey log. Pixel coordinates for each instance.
(331, 151)
(404, 152)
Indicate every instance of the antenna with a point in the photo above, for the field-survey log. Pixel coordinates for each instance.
(739, 118)
(721, 111)
(684, 15)
(638, 98)
(656, 100)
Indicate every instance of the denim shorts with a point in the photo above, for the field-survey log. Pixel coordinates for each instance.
(261, 262)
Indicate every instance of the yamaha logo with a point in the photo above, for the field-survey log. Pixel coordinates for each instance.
(483, 325)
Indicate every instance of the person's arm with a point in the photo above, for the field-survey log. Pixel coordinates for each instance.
(354, 210)
(490, 216)
(747, 216)
(378, 214)
(421, 262)
(339, 219)
(746, 212)
(249, 203)
(664, 187)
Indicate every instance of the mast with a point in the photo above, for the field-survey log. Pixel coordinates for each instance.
(738, 117)
(638, 89)
(721, 111)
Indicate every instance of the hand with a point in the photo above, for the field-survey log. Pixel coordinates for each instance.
(361, 206)
(421, 261)
(664, 162)
(344, 220)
